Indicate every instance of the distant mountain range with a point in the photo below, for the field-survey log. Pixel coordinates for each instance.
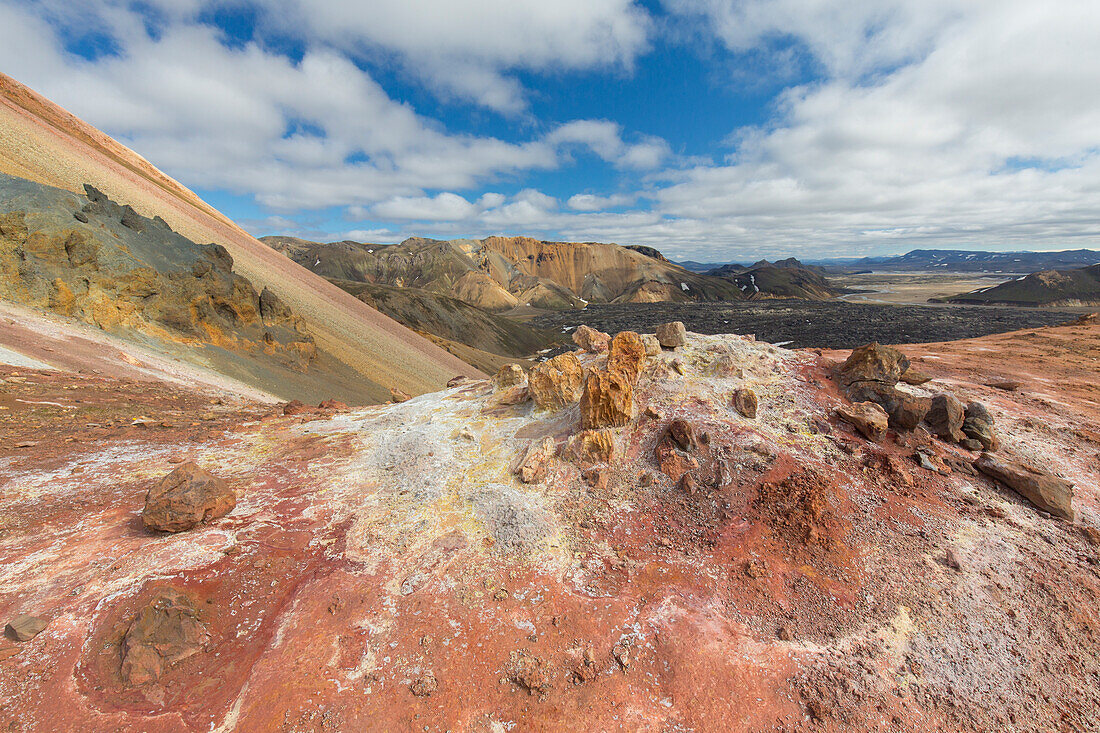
(948, 260)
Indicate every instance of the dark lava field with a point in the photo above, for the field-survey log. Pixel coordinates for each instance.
(835, 324)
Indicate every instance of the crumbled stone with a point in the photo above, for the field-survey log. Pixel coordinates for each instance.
(652, 345)
(591, 446)
(536, 460)
(162, 634)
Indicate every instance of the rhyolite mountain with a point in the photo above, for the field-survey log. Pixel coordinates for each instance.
(44, 143)
(501, 273)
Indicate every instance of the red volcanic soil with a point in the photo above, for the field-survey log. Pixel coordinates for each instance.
(384, 569)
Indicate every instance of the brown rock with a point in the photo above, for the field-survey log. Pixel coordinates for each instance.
(590, 339)
(868, 417)
(915, 376)
(945, 417)
(873, 363)
(951, 559)
(682, 433)
(556, 382)
(530, 673)
(163, 633)
(1007, 385)
(591, 446)
(905, 410)
(336, 405)
(745, 402)
(509, 375)
(652, 345)
(185, 498)
(397, 396)
(536, 460)
(978, 426)
(457, 380)
(671, 335)
(1042, 488)
(24, 627)
(294, 407)
(607, 401)
(626, 355)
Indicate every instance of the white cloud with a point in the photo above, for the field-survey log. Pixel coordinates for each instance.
(465, 47)
(592, 202)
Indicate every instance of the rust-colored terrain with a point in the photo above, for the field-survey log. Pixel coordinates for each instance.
(388, 568)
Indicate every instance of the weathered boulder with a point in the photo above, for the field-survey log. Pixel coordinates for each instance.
(978, 425)
(25, 627)
(515, 395)
(185, 498)
(509, 375)
(397, 396)
(590, 339)
(626, 355)
(873, 363)
(1042, 488)
(297, 407)
(163, 633)
(945, 417)
(682, 433)
(556, 382)
(905, 410)
(745, 402)
(607, 401)
(868, 417)
(671, 335)
(652, 345)
(532, 467)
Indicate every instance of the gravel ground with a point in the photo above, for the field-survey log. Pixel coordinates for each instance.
(802, 323)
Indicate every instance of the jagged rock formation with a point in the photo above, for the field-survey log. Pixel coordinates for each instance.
(1052, 288)
(458, 563)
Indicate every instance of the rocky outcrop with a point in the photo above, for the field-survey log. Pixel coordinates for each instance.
(165, 632)
(535, 461)
(1042, 488)
(626, 355)
(607, 401)
(556, 382)
(186, 498)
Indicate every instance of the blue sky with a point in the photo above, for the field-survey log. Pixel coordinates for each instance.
(717, 130)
